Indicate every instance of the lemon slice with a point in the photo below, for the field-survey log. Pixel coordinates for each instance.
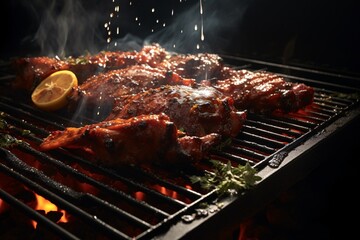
(51, 94)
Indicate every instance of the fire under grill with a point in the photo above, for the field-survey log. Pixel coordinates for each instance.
(161, 202)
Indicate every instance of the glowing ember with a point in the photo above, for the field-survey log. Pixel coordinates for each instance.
(47, 206)
(139, 196)
(1, 206)
(188, 187)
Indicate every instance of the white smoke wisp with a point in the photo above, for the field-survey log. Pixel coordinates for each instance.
(65, 27)
(75, 27)
(201, 26)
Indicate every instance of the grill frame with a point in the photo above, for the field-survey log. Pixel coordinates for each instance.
(299, 163)
(301, 160)
(297, 158)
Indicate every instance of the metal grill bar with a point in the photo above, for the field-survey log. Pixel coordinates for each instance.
(61, 232)
(273, 128)
(46, 159)
(29, 171)
(37, 129)
(254, 146)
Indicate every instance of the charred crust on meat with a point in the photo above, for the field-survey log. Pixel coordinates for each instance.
(203, 107)
(170, 128)
(131, 112)
(287, 101)
(109, 143)
(169, 74)
(226, 105)
(173, 101)
(86, 132)
(142, 125)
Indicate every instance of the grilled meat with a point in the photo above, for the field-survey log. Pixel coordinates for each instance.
(163, 107)
(196, 111)
(262, 92)
(31, 71)
(88, 66)
(100, 90)
(259, 92)
(140, 140)
(201, 66)
(151, 55)
(255, 91)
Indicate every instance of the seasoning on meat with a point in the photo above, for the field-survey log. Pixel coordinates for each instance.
(101, 89)
(196, 111)
(140, 140)
(172, 106)
(200, 66)
(262, 92)
(30, 71)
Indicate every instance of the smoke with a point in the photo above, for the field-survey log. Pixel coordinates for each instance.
(206, 25)
(177, 25)
(65, 27)
(74, 27)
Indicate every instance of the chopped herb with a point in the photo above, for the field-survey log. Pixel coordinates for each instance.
(25, 132)
(7, 140)
(3, 124)
(77, 61)
(181, 129)
(227, 179)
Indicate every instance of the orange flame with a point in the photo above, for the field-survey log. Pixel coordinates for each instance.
(47, 206)
(166, 191)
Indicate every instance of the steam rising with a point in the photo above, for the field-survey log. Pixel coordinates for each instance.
(66, 27)
(202, 26)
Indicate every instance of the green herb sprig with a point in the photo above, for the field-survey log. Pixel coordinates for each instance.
(226, 179)
(6, 140)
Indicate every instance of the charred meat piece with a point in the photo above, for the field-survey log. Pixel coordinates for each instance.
(262, 92)
(141, 140)
(151, 55)
(31, 71)
(87, 66)
(100, 90)
(196, 111)
(201, 66)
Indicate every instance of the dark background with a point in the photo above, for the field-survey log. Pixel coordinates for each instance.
(313, 32)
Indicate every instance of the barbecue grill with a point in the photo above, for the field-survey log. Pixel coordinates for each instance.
(161, 202)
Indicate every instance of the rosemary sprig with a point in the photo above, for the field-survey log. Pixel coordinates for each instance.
(6, 140)
(226, 179)
(223, 144)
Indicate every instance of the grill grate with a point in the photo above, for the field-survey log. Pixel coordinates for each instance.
(139, 203)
